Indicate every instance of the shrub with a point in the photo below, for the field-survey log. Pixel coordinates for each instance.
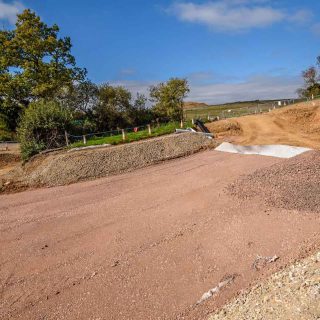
(42, 127)
(5, 134)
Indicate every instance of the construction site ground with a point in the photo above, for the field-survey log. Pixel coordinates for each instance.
(297, 125)
(178, 239)
(146, 244)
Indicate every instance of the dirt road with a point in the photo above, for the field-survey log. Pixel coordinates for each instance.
(142, 245)
(297, 125)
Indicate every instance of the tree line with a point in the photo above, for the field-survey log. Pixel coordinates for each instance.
(43, 91)
(311, 77)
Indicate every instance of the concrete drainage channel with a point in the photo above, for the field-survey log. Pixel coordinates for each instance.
(279, 151)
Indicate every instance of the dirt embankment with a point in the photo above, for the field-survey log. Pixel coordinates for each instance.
(62, 168)
(8, 159)
(297, 125)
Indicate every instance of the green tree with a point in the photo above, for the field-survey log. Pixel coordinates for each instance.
(140, 114)
(34, 64)
(82, 97)
(168, 98)
(311, 78)
(113, 108)
(42, 127)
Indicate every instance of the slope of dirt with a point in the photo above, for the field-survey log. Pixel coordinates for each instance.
(143, 245)
(8, 159)
(292, 184)
(62, 168)
(291, 294)
(297, 125)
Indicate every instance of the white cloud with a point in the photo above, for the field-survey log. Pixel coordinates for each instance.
(227, 15)
(253, 88)
(9, 11)
(235, 15)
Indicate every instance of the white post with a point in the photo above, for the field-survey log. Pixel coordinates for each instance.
(123, 134)
(149, 129)
(84, 139)
(181, 124)
(66, 137)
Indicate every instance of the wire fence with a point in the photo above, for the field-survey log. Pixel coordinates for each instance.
(140, 132)
(213, 114)
(118, 133)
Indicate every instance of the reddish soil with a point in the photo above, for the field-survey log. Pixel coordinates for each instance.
(142, 245)
(297, 125)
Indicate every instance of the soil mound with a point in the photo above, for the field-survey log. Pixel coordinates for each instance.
(290, 184)
(297, 125)
(69, 167)
(225, 127)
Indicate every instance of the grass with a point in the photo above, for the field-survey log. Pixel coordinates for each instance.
(130, 136)
(237, 109)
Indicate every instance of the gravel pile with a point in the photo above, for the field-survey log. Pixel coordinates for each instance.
(290, 184)
(68, 167)
(291, 294)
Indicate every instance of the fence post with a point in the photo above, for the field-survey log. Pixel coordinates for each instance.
(123, 134)
(66, 137)
(181, 124)
(149, 129)
(84, 139)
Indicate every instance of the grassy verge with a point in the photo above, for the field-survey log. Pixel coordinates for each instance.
(130, 136)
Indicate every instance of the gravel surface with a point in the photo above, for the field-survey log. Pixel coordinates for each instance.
(142, 245)
(290, 184)
(60, 168)
(291, 294)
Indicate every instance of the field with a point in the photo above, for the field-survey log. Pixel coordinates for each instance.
(230, 110)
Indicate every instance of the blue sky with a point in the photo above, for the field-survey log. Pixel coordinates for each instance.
(228, 49)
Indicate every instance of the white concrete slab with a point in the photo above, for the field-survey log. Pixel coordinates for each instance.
(279, 151)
